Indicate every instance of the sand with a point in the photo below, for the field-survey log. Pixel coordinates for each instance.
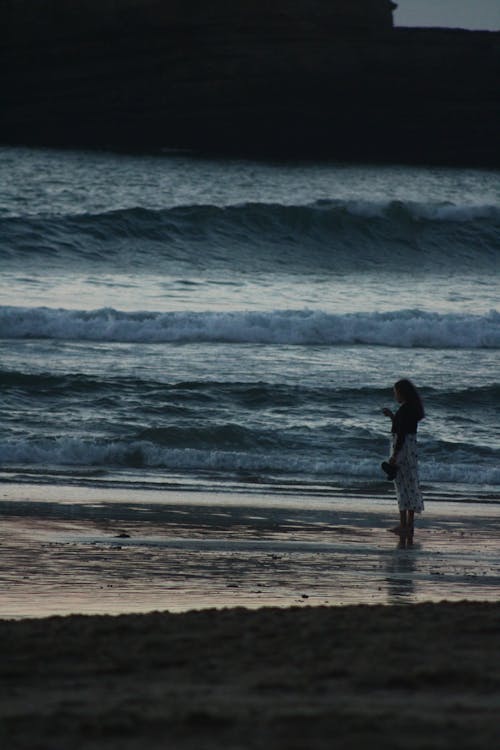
(417, 676)
(237, 657)
(181, 551)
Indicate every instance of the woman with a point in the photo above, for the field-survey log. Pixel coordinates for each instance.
(404, 453)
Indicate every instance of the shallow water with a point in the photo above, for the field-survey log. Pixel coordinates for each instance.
(191, 550)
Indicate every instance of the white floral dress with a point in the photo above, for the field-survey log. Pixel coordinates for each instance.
(407, 485)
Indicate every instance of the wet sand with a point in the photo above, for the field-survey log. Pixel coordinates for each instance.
(237, 657)
(193, 551)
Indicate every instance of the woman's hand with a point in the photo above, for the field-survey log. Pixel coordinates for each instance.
(387, 413)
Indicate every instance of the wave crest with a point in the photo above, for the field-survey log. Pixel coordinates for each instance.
(400, 328)
(339, 233)
(86, 454)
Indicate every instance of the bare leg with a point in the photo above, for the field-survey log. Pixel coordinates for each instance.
(410, 529)
(401, 529)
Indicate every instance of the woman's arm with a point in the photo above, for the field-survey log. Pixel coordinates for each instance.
(397, 447)
(388, 413)
(404, 423)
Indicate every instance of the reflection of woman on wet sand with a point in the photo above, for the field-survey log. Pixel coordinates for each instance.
(404, 454)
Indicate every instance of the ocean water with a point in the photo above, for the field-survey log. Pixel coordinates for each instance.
(168, 321)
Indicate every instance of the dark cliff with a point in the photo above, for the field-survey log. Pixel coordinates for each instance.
(285, 78)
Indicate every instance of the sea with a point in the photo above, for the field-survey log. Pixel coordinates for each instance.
(172, 321)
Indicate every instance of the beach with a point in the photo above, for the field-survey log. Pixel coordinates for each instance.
(194, 524)
(247, 620)
(425, 675)
(104, 551)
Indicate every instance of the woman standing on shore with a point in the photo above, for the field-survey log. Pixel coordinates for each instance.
(403, 461)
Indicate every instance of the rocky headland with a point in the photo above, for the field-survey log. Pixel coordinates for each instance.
(288, 79)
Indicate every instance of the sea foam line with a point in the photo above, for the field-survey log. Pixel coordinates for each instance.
(74, 452)
(399, 328)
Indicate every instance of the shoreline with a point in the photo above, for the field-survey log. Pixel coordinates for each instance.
(260, 621)
(113, 552)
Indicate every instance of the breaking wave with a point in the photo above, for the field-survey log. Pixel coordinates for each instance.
(339, 233)
(400, 328)
(143, 454)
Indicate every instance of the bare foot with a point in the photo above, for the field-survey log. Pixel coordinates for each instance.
(398, 530)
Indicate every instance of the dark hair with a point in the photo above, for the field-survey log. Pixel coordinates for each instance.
(411, 396)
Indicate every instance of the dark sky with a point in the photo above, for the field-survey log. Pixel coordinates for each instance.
(465, 14)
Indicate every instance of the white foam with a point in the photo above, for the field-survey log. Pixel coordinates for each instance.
(399, 328)
(431, 211)
(451, 212)
(87, 453)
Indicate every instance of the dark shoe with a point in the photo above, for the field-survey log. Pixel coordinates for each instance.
(390, 469)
